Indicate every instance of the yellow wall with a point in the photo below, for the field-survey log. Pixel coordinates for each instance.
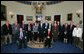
(17, 8)
(62, 8)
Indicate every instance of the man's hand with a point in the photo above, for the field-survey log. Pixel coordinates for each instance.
(25, 37)
(44, 31)
(26, 31)
(33, 32)
(65, 32)
(38, 32)
(52, 33)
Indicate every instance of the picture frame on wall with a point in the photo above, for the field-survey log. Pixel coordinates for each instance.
(69, 17)
(48, 18)
(3, 12)
(29, 18)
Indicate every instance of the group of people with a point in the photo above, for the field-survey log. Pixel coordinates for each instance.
(45, 32)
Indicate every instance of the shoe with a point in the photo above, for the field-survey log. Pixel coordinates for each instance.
(25, 46)
(19, 47)
(11, 44)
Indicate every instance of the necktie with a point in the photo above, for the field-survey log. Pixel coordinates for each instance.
(16, 25)
(55, 27)
(65, 28)
(70, 26)
(48, 33)
(23, 25)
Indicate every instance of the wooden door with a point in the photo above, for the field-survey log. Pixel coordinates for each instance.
(20, 18)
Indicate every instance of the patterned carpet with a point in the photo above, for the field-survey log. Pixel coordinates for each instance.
(57, 47)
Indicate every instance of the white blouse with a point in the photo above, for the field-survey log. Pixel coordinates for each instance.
(77, 32)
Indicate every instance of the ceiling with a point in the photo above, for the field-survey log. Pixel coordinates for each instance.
(39, 2)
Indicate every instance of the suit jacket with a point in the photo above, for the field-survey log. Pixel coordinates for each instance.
(6, 30)
(41, 30)
(70, 30)
(64, 28)
(15, 30)
(28, 27)
(23, 28)
(57, 28)
(51, 28)
(35, 28)
(50, 34)
(23, 35)
(32, 27)
(52, 25)
(60, 28)
(46, 29)
(1, 31)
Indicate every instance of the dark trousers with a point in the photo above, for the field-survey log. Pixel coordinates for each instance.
(15, 38)
(76, 41)
(48, 43)
(70, 39)
(29, 36)
(45, 34)
(60, 36)
(35, 36)
(22, 42)
(41, 37)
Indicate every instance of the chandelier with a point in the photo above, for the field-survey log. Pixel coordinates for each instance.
(38, 6)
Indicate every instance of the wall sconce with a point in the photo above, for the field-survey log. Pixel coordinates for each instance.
(11, 14)
(79, 12)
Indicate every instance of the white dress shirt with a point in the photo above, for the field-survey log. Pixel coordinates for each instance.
(21, 35)
(77, 32)
(41, 25)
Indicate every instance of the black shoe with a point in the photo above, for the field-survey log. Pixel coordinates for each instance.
(6, 45)
(11, 43)
(19, 47)
(25, 46)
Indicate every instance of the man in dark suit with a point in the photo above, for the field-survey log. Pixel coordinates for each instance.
(7, 30)
(70, 30)
(65, 33)
(23, 26)
(61, 31)
(41, 32)
(21, 39)
(15, 31)
(29, 32)
(55, 35)
(46, 26)
(58, 25)
(48, 39)
(32, 36)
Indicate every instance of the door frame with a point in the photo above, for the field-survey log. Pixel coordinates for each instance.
(24, 16)
(60, 17)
